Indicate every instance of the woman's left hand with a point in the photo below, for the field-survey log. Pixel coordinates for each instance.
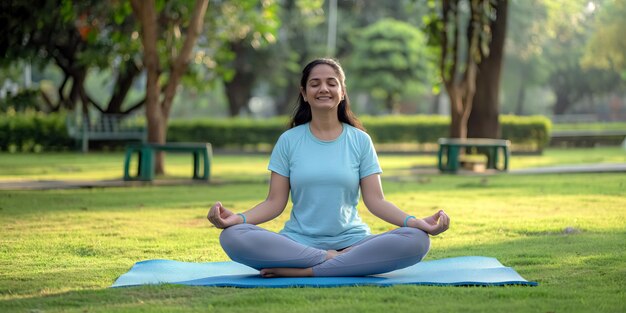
(437, 223)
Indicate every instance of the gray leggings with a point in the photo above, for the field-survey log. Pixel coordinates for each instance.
(259, 248)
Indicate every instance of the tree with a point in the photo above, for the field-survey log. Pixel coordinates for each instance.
(484, 119)
(294, 47)
(158, 104)
(569, 23)
(524, 67)
(251, 26)
(462, 30)
(388, 56)
(606, 49)
(75, 36)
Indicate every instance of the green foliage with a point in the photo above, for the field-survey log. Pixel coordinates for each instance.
(606, 49)
(390, 55)
(32, 131)
(236, 132)
(530, 131)
(407, 129)
(28, 130)
(25, 100)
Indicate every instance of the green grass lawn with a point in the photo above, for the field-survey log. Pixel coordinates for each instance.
(60, 250)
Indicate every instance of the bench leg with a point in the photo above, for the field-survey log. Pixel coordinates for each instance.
(451, 153)
(196, 165)
(146, 164)
(127, 158)
(492, 157)
(453, 159)
(206, 169)
(85, 143)
(206, 153)
(507, 155)
(440, 159)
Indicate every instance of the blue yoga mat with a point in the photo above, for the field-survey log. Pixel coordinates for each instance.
(459, 271)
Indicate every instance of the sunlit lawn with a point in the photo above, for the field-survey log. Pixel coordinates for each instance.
(60, 250)
(98, 166)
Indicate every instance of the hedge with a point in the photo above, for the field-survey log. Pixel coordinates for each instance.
(29, 131)
(33, 131)
(527, 132)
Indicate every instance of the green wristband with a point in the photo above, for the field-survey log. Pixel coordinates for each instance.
(406, 219)
(242, 216)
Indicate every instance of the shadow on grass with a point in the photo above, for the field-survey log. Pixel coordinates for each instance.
(576, 272)
(17, 203)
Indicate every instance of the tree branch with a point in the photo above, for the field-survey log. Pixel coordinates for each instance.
(180, 64)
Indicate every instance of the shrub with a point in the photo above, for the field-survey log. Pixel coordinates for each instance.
(32, 131)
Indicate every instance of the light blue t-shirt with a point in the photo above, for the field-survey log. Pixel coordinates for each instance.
(324, 178)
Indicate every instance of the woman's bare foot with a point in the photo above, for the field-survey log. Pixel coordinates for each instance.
(286, 272)
(331, 254)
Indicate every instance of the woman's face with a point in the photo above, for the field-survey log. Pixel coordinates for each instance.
(323, 88)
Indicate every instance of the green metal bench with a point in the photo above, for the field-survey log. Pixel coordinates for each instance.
(202, 154)
(450, 151)
(104, 127)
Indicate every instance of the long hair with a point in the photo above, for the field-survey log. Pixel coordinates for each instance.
(302, 113)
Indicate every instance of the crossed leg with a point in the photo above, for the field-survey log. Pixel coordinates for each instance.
(278, 256)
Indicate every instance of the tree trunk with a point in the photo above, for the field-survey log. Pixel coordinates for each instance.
(238, 92)
(239, 89)
(122, 85)
(483, 121)
(562, 102)
(521, 95)
(390, 103)
(157, 114)
(460, 108)
(146, 14)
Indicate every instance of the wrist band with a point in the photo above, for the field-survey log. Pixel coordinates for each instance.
(242, 216)
(406, 219)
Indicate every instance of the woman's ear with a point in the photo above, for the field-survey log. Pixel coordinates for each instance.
(303, 93)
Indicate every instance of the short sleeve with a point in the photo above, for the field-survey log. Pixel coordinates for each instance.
(279, 160)
(369, 160)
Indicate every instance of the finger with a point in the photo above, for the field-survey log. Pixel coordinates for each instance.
(442, 216)
(444, 221)
(213, 215)
(215, 209)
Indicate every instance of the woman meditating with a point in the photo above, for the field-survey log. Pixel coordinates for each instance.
(324, 160)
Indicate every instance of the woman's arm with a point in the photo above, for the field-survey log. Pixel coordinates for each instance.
(267, 210)
(374, 199)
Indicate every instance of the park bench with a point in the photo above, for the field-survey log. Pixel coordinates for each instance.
(451, 150)
(104, 127)
(587, 138)
(201, 152)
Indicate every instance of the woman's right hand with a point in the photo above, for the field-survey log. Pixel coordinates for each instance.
(221, 217)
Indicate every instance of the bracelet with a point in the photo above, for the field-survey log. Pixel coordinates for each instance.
(242, 216)
(406, 219)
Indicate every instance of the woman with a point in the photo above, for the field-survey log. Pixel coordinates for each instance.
(323, 160)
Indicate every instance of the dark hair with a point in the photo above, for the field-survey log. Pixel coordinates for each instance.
(302, 113)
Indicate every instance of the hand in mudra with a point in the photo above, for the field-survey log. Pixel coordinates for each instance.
(221, 217)
(437, 223)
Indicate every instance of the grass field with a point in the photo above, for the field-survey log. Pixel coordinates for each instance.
(60, 250)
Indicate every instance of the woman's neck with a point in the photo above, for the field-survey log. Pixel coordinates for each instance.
(326, 127)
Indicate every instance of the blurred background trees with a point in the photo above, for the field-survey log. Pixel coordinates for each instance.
(560, 57)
